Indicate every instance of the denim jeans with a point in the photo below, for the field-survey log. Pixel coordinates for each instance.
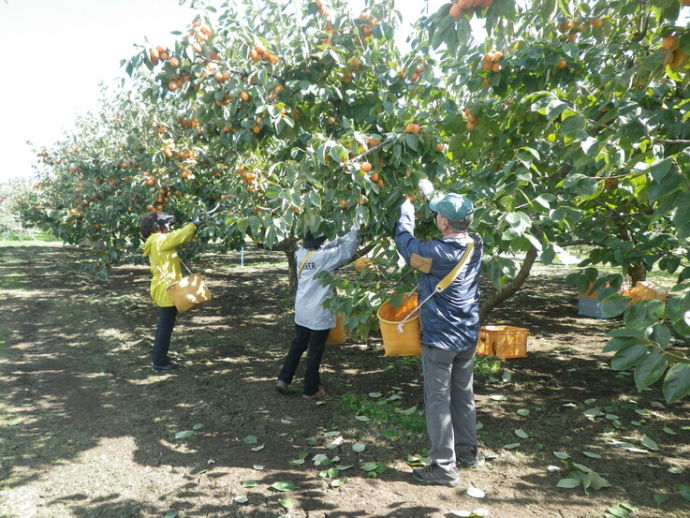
(166, 323)
(315, 341)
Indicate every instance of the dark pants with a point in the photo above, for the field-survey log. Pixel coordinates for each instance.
(166, 322)
(315, 341)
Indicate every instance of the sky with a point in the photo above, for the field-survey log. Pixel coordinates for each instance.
(55, 54)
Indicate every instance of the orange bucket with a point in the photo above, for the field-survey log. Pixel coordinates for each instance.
(400, 338)
(337, 334)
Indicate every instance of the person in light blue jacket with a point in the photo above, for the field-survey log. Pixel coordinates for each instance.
(450, 329)
(312, 320)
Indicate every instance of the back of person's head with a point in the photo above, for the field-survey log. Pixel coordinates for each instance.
(149, 223)
(312, 243)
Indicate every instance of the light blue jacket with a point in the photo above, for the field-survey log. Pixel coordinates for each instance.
(450, 319)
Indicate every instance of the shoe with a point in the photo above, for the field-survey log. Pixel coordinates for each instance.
(164, 368)
(317, 395)
(282, 387)
(435, 475)
(471, 459)
(472, 462)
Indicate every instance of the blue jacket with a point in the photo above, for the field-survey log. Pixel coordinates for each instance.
(450, 319)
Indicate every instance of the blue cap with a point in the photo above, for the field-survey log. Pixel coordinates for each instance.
(454, 207)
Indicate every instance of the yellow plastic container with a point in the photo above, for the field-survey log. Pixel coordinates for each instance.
(337, 334)
(400, 339)
(189, 292)
(503, 341)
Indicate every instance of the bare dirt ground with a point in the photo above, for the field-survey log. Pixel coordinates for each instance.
(87, 430)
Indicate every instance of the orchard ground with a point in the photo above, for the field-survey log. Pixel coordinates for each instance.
(86, 429)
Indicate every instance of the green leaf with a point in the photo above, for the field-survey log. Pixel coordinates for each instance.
(568, 483)
(511, 446)
(614, 305)
(369, 466)
(283, 486)
(684, 491)
(677, 382)
(572, 125)
(659, 169)
(618, 512)
(521, 433)
(184, 434)
(561, 455)
(650, 370)
(250, 439)
(628, 357)
(358, 447)
(649, 443)
(596, 481)
(249, 483)
(287, 503)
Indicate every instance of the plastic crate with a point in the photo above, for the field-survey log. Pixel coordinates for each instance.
(503, 341)
(588, 307)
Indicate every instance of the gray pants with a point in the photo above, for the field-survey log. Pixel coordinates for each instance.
(451, 420)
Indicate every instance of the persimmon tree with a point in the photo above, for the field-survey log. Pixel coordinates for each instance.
(566, 124)
(577, 134)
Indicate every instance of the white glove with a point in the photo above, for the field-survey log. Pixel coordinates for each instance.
(407, 208)
(426, 187)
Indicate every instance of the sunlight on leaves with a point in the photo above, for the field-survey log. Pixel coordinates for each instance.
(650, 443)
(283, 486)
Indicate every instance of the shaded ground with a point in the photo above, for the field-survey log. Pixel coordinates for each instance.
(87, 430)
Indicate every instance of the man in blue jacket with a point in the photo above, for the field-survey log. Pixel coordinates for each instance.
(450, 329)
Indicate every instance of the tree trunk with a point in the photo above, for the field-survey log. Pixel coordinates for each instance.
(637, 272)
(292, 272)
(510, 288)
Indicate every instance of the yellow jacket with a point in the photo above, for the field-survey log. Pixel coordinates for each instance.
(161, 249)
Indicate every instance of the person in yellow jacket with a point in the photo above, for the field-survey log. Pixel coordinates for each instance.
(161, 247)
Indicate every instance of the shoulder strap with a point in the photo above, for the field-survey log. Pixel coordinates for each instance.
(453, 274)
(446, 281)
(306, 258)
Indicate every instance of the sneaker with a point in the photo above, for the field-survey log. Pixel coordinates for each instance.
(164, 368)
(470, 459)
(435, 475)
(472, 462)
(318, 395)
(282, 387)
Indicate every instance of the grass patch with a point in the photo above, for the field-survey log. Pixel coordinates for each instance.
(386, 413)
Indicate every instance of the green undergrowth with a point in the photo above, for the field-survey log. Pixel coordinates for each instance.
(385, 412)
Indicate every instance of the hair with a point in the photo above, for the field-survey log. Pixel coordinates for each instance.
(149, 223)
(461, 225)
